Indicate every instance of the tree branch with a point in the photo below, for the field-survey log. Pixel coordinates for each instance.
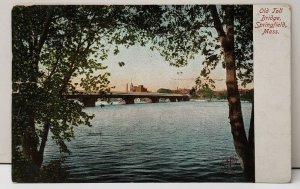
(43, 143)
(217, 23)
(45, 32)
(55, 66)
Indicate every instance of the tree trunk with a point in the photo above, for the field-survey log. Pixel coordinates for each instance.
(40, 157)
(30, 139)
(241, 145)
(235, 113)
(251, 147)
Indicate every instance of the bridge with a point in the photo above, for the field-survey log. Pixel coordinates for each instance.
(89, 99)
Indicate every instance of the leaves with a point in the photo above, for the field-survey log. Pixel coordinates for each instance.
(74, 44)
(179, 33)
(99, 83)
(121, 64)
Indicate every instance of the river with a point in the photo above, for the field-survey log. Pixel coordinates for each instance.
(160, 142)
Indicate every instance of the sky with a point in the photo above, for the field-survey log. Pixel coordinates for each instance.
(148, 68)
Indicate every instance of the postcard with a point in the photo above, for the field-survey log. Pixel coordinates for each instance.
(151, 93)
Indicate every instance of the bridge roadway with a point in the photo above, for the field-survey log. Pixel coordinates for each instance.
(89, 99)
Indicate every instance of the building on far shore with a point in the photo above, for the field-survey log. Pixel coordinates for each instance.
(181, 91)
(138, 88)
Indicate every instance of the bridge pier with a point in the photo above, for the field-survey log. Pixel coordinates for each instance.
(179, 99)
(172, 99)
(154, 100)
(89, 102)
(186, 99)
(129, 100)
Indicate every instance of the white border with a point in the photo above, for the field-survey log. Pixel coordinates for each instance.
(5, 182)
(5, 55)
(272, 97)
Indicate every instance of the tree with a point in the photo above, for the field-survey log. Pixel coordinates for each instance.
(222, 34)
(248, 96)
(236, 47)
(207, 93)
(162, 90)
(52, 45)
(243, 146)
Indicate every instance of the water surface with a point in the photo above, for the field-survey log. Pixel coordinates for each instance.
(161, 142)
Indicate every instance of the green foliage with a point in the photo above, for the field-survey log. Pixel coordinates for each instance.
(97, 83)
(53, 45)
(25, 171)
(181, 32)
(162, 90)
(206, 93)
(248, 96)
(50, 46)
(193, 92)
(121, 64)
(55, 171)
(221, 95)
(22, 169)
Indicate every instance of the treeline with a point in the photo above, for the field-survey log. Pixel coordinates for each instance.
(207, 93)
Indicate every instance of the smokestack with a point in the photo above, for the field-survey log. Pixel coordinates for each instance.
(126, 87)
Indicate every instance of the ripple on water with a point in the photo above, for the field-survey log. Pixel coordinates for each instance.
(165, 142)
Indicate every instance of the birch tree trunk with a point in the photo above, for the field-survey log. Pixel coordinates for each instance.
(242, 148)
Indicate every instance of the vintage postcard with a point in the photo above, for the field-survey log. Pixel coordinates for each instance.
(151, 93)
